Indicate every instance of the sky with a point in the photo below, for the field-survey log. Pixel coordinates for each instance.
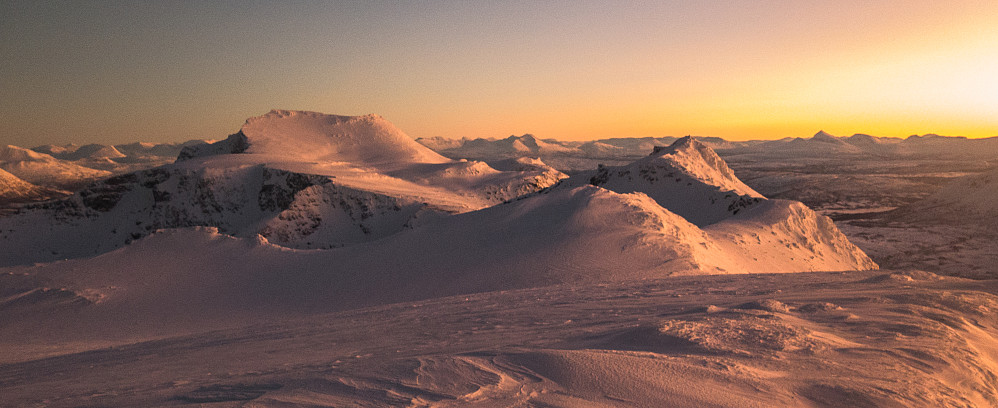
(167, 71)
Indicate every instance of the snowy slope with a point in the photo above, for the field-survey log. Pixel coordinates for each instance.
(15, 190)
(966, 200)
(786, 236)
(510, 147)
(582, 235)
(294, 209)
(44, 170)
(90, 151)
(687, 178)
(303, 204)
(345, 197)
(869, 339)
(118, 159)
(314, 137)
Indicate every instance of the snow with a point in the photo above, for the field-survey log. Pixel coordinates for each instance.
(326, 260)
(655, 229)
(90, 151)
(965, 200)
(309, 136)
(786, 236)
(687, 178)
(13, 189)
(829, 339)
(42, 169)
(259, 187)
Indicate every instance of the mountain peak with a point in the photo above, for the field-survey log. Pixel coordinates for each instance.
(317, 137)
(823, 136)
(683, 143)
(12, 153)
(687, 178)
(702, 163)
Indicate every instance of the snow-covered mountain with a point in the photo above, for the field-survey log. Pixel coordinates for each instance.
(861, 146)
(72, 166)
(91, 151)
(299, 214)
(126, 152)
(574, 155)
(301, 179)
(530, 146)
(314, 137)
(492, 149)
(687, 178)
(820, 145)
(371, 217)
(44, 170)
(144, 149)
(585, 234)
(674, 211)
(15, 190)
(117, 159)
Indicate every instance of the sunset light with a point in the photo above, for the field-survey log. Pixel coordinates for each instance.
(172, 71)
(492, 203)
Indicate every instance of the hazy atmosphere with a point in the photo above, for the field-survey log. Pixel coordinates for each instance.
(168, 71)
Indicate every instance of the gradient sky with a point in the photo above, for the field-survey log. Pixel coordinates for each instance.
(112, 72)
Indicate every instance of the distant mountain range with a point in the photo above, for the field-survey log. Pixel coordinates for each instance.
(55, 171)
(306, 210)
(821, 144)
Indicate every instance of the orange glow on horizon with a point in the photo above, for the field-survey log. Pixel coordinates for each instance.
(564, 70)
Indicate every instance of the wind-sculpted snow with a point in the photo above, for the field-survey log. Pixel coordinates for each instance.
(783, 236)
(862, 339)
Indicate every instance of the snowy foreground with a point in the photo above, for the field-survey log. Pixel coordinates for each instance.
(322, 260)
(857, 339)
